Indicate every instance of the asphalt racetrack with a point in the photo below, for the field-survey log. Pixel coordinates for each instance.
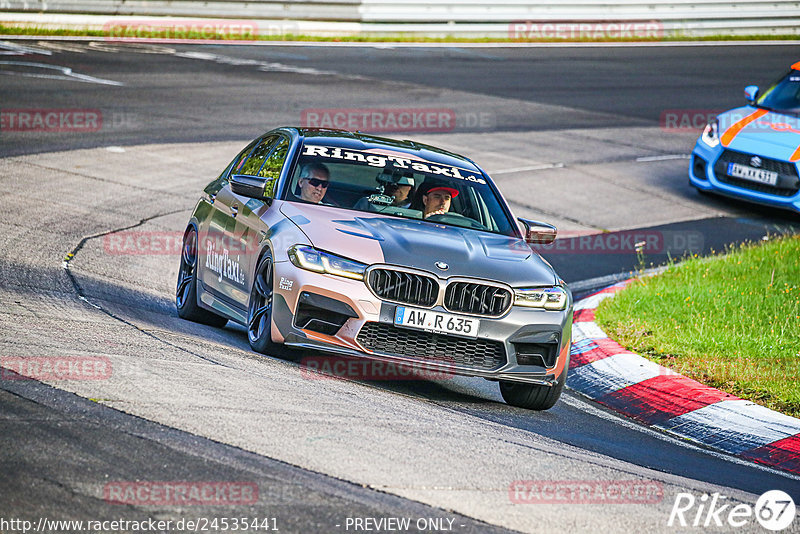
(592, 139)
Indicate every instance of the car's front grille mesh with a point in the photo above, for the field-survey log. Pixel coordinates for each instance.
(768, 164)
(786, 170)
(391, 340)
(468, 297)
(755, 186)
(405, 287)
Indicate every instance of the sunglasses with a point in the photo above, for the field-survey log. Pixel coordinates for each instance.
(316, 182)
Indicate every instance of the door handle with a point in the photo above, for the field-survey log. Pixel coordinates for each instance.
(234, 210)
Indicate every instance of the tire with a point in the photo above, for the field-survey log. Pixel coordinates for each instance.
(186, 292)
(703, 192)
(532, 396)
(259, 311)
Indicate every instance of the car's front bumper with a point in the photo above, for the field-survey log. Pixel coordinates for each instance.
(703, 176)
(526, 345)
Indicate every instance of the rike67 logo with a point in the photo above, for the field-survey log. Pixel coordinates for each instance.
(774, 510)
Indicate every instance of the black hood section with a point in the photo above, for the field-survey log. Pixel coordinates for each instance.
(469, 253)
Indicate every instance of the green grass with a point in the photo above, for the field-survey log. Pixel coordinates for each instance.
(730, 321)
(408, 38)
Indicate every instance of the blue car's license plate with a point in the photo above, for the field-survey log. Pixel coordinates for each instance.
(751, 173)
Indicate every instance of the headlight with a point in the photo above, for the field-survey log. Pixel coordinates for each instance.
(311, 259)
(711, 133)
(548, 298)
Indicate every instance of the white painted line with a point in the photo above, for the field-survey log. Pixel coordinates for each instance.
(262, 65)
(734, 426)
(66, 73)
(539, 167)
(611, 374)
(581, 403)
(600, 281)
(592, 302)
(19, 49)
(663, 158)
(629, 367)
(57, 46)
(103, 46)
(586, 330)
(604, 281)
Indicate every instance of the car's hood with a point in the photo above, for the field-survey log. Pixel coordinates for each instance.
(758, 131)
(373, 238)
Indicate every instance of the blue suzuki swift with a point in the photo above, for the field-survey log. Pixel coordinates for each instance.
(752, 152)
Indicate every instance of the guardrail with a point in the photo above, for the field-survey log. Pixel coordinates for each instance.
(333, 10)
(472, 18)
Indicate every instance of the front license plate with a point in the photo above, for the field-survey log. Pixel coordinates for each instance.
(752, 174)
(440, 323)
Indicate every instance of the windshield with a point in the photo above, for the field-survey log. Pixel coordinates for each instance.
(395, 183)
(783, 95)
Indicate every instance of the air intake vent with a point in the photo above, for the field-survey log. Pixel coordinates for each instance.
(388, 339)
(407, 288)
(479, 299)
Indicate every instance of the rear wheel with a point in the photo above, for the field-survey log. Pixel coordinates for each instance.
(186, 292)
(532, 396)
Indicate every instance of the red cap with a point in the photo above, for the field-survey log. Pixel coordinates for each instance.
(453, 192)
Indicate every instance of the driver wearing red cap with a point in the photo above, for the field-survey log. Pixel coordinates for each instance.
(437, 200)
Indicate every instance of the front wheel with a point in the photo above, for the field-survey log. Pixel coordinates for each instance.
(186, 292)
(259, 311)
(532, 396)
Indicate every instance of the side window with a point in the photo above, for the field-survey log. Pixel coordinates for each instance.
(257, 156)
(271, 170)
(236, 168)
(214, 187)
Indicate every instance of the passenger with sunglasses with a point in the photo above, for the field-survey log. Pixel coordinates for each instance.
(313, 182)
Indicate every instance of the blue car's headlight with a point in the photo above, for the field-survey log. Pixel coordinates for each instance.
(311, 259)
(710, 135)
(548, 298)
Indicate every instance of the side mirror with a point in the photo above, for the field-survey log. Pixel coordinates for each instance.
(538, 233)
(750, 93)
(252, 186)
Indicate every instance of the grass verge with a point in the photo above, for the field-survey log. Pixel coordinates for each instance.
(730, 321)
(11, 30)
